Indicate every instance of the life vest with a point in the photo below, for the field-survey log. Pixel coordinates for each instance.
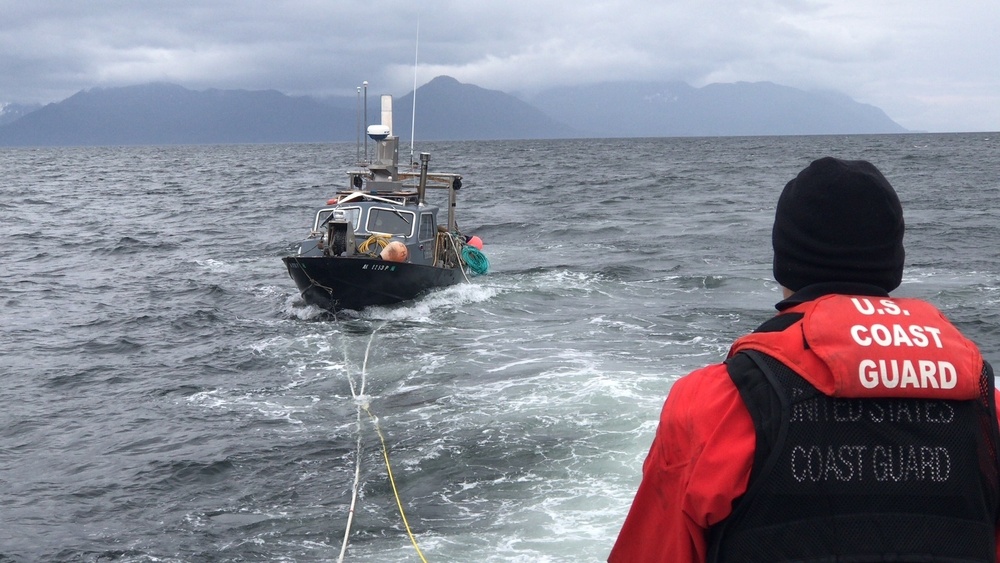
(876, 438)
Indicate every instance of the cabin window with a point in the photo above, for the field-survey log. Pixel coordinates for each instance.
(428, 230)
(353, 214)
(390, 221)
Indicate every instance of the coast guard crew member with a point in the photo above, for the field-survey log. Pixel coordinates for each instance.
(850, 427)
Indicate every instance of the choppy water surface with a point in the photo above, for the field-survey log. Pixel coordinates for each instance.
(168, 397)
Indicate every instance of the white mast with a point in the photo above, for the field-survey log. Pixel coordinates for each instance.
(357, 148)
(365, 86)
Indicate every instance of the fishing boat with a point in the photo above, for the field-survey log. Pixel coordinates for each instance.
(379, 241)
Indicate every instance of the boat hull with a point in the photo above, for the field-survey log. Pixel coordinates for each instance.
(336, 283)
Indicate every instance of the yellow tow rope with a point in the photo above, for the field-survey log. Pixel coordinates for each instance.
(362, 401)
(392, 481)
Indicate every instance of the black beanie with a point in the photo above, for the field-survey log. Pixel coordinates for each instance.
(838, 221)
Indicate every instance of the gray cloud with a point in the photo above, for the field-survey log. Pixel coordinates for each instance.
(930, 65)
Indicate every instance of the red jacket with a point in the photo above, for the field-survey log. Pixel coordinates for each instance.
(701, 456)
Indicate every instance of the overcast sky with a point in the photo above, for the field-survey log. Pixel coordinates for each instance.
(931, 65)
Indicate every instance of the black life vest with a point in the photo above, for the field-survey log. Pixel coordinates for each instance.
(860, 479)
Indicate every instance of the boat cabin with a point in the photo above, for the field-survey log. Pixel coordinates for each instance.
(372, 221)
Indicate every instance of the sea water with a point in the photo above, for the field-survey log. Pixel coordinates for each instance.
(167, 395)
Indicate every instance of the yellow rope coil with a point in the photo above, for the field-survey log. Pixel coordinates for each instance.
(381, 240)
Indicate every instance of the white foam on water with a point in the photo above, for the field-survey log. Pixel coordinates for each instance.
(218, 266)
(427, 307)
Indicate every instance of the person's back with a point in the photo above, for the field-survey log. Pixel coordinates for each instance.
(852, 426)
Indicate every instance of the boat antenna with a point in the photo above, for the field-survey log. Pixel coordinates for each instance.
(357, 143)
(365, 86)
(413, 112)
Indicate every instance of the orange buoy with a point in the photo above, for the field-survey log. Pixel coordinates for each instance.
(395, 251)
(475, 242)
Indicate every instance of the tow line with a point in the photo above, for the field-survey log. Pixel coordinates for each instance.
(363, 401)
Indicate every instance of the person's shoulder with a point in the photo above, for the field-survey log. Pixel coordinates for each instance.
(698, 403)
(708, 382)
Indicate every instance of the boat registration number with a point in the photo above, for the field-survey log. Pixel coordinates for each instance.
(378, 267)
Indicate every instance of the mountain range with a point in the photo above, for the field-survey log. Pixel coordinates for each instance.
(160, 113)
(12, 112)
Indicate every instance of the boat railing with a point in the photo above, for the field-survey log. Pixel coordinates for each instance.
(395, 198)
(440, 180)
